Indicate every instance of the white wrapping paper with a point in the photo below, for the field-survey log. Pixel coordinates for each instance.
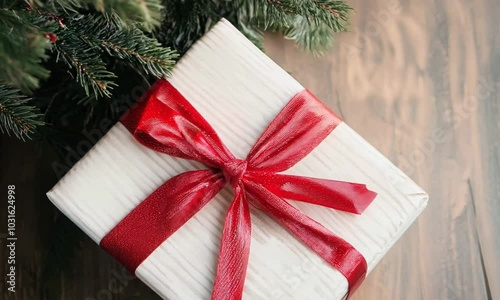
(239, 90)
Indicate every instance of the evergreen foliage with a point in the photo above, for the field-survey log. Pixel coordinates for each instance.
(17, 117)
(310, 23)
(22, 50)
(74, 59)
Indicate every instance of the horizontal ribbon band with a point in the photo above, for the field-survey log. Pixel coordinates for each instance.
(166, 122)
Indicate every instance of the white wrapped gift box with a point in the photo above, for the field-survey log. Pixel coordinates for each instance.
(239, 90)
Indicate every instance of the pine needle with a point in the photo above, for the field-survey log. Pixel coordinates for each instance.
(17, 117)
(106, 34)
(310, 23)
(22, 50)
(90, 69)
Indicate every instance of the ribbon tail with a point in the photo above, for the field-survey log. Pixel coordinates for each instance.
(346, 196)
(160, 215)
(234, 250)
(333, 249)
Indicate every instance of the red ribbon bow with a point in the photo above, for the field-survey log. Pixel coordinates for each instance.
(168, 123)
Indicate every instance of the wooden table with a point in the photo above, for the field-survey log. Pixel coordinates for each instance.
(420, 81)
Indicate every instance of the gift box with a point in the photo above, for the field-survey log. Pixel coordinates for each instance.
(239, 91)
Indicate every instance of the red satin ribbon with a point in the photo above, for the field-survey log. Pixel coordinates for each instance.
(166, 122)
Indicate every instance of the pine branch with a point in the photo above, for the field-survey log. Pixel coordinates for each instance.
(185, 21)
(310, 23)
(334, 14)
(281, 12)
(90, 69)
(16, 116)
(22, 50)
(254, 34)
(130, 44)
(53, 6)
(267, 14)
(82, 39)
(314, 38)
(145, 13)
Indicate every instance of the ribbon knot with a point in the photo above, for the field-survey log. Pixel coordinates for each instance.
(166, 122)
(234, 171)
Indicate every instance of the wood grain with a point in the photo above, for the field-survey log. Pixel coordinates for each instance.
(420, 81)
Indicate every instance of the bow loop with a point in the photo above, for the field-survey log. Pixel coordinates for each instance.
(166, 122)
(299, 128)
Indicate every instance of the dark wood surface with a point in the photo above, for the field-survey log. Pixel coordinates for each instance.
(420, 80)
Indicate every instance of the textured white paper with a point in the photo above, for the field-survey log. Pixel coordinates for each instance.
(225, 70)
